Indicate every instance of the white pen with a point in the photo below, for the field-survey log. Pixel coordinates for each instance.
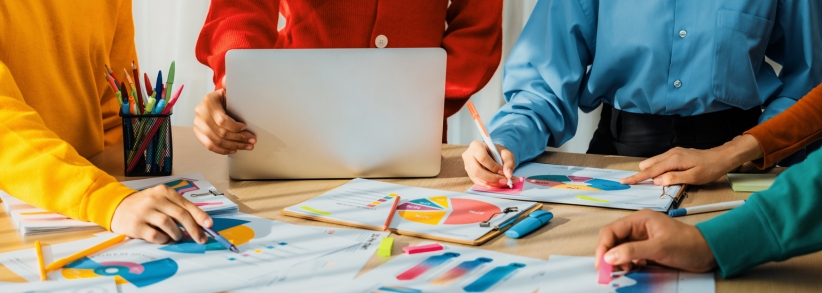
(487, 138)
(722, 206)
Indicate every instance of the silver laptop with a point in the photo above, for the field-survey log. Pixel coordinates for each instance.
(337, 113)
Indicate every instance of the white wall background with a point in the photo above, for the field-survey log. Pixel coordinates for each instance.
(167, 30)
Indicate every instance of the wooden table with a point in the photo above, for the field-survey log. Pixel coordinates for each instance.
(573, 231)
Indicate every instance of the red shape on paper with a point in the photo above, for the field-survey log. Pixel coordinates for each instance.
(517, 188)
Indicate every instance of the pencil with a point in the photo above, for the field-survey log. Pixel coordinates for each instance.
(136, 73)
(391, 215)
(39, 250)
(57, 264)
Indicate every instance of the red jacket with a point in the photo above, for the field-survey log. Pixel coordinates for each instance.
(469, 31)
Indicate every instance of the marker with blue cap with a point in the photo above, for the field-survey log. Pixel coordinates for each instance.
(715, 207)
(530, 223)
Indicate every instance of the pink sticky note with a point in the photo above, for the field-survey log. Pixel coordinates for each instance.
(605, 270)
(421, 248)
(517, 189)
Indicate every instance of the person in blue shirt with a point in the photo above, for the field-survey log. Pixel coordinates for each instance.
(668, 73)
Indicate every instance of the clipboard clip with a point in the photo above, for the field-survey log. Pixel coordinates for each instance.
(665, 192)
(210, 192)
(487, 223)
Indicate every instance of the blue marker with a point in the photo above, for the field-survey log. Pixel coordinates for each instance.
(221, 239)
(530, 223)
(159, 107)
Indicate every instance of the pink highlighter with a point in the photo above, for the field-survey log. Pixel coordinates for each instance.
(605, 270)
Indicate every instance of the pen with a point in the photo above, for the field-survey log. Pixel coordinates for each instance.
(158, 87)
(487, 138)
(116, 81)
(158, 108)
(136, 73)
(150, 104)
(40, 263)
(84, 253)
(173, 100)
(722, 206)
(139, 102)
(111, 83)
(221, 239)
(169, 81)
(391, 215)
(149, 91)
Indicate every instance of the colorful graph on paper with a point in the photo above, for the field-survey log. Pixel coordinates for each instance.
(455, 269)
(421, 211)
(581, 186)
(132, 268)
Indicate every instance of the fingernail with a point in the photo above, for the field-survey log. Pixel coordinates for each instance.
(232, 151)
(503, 181)
(508, 169)
(657, 181)
(500, 172)
(611, 257)
(249, 147)
(252, 140)
(207, 223)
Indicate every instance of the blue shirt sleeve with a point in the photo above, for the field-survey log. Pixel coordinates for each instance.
(543, 78)
(795, 43)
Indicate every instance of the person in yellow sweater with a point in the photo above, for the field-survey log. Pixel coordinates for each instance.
(56, 110)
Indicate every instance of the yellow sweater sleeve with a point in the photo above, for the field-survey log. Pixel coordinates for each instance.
(40, 168)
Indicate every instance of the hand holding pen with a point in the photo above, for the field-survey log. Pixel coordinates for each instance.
(488, 164)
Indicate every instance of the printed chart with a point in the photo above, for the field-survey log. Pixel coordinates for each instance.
(193, 187)
(133, 268)
(581, 186)
(455, 269)
(577, 274)
(431, 211)
(232, 229)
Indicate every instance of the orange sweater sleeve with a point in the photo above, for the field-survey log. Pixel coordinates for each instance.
(235, 24)
(39, 167)
(473, 41)
(791, 130)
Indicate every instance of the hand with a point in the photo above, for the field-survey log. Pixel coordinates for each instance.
(153, 215)
(217, 131)
(653, 237)
(692, 166)
(483, 170)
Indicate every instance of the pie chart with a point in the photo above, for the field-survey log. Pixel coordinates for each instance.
(575, 183)
(233, 230)
(433, 210)
(136, 269)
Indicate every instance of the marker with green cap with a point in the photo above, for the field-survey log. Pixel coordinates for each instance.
(169, 81)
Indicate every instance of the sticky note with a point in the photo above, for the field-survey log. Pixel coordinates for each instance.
(605, 270)
(742, 182)
(386, 245)
(421, 248)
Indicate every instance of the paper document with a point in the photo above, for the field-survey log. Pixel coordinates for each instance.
(193, 187)
(573, 274)
(31, 220)
(96, 285)
(438, 213)
(582, 186)
(454, 269)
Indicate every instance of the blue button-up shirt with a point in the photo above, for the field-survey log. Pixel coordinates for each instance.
(655, 57)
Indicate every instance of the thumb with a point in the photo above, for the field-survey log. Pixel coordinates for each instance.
(627, 252)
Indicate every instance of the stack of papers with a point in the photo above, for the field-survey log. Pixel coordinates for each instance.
(193, 187)
(31, 220)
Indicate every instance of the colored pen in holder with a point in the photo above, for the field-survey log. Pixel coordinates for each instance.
(147, 144)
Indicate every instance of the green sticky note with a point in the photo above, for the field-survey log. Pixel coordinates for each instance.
(386, 245)
(744, 182)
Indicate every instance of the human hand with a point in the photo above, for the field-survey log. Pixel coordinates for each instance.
(692, 166)
(483, 170)
(652, 237)
(153, 215)
(217, 131)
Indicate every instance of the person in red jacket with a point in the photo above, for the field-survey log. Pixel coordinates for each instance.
(469, 31)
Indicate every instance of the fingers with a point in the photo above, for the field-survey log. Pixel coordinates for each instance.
(626, 253)
(208, 143)
(150, 234)
(508, 162)
(166, 224)
(477, 171)
(672, 178)
(747, 167)
(658, 158)
(189, 215)
(216, 130)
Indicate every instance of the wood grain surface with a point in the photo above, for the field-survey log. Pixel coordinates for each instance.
(573, 231)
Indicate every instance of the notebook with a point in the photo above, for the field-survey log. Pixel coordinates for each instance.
(421, 212)
(193, 187)
(584, 186)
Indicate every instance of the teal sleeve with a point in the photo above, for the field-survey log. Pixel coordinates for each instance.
(774, 225)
